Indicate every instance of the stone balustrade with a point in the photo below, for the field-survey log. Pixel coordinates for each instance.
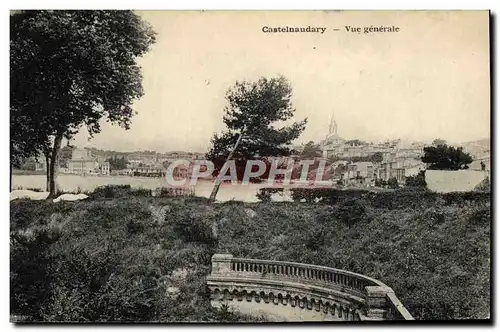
(295, 291)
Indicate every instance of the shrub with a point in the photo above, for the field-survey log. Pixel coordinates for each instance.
(393, 183)
(484, 185)
(111, 191)
(417, 180)
(106, 260)
(265, 194)
(194, 230)
(352, 211)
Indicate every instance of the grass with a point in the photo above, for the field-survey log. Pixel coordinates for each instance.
(114, 258)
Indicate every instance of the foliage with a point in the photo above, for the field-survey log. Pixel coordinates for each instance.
(117, 191)
(112, 260)
(444, 157)
(355, 142)
(69, 69)
(438, 141)
(393, 183)
(380, 182)
(311, 150)
(116, 163)
(376, 157)
(257, 107)
(265, 194)
(484, 185)
(417, 180)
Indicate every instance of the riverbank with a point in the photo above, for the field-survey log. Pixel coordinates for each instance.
(144, 258)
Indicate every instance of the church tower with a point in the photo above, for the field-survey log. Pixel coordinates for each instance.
(332, 129)
(333, 143)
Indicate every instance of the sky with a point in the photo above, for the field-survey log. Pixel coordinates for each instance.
(428, 80)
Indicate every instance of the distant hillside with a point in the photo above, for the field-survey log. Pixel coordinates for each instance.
(135, 154)
(477, 148)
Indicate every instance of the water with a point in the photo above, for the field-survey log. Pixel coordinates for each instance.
(73, 183)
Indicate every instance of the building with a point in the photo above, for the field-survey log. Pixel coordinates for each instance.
(147, 170)
(105, 168)
(333, 145)
(399, 168)
(83, 162)
(360, 171)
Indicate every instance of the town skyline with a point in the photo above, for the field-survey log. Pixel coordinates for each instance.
(378, 86)
(299, 144)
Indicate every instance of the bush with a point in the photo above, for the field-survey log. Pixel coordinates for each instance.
(192, 229)
(417, 180)
(265, 194)
(111, 191)
(484, 185)
(108, 260)
(393, 183)
(325, 195)
(175, 192)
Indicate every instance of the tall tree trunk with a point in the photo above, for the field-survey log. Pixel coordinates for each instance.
(47, 168)
(53, 166)
(10, 182)
(211, 199)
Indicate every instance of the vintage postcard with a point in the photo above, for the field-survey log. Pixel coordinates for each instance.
(249, 166)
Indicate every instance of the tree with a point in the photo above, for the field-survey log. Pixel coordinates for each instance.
(251, 114)
(377, 157)
(438, 141)
(355, 142)
(116, 163)
(444, 157)
(69, 69)
(311, 150)
(393, 183)
(417, 180)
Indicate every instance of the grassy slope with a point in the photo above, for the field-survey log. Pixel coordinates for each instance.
(112, 259)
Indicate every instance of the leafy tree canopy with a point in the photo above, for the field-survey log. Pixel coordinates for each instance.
(311, 150)
(438, 141)
(256, 109)
(356, 142)
(444, 157)
(70, 69)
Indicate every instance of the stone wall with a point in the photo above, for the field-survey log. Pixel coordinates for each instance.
(288, 291)
(454, 181)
